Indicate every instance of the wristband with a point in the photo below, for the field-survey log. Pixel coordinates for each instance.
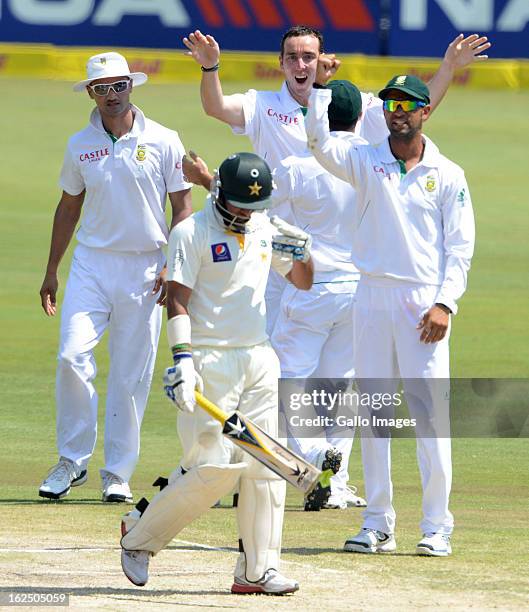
(444, 307)
(212, 69)
(179, 336)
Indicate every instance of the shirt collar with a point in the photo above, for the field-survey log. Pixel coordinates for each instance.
(288, 104)
(431, 156)
(137, 127)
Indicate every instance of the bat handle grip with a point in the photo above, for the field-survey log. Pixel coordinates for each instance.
(210, 408)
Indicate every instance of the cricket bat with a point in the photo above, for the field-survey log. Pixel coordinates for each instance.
(243, 432)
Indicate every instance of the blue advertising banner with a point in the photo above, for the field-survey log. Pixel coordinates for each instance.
(423, 27)
(392, 27)
(256, 25)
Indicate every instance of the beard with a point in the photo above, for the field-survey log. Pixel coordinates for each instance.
(406, 135)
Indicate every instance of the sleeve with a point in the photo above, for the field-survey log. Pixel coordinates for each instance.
(71, 180)
(251, 118)
(337, 155)
(184, 253)
(172, 170)
(373, 124)
(459, 236)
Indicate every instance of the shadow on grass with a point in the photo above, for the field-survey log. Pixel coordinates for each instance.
(303, 552)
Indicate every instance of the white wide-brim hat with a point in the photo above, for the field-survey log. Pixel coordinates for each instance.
(109, 64)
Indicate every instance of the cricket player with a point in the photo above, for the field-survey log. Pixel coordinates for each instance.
(312, 335)
(219, 260)
(117, 172)
(413, 244)
(274, 123)
(313, 332)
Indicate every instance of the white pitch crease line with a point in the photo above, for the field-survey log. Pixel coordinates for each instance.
(184, 542)
(56, 550)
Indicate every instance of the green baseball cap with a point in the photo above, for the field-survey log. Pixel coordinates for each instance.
(246, 181)
(408, 84)
(346, 102)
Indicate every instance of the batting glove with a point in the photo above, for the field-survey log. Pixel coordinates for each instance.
(290, 241)
(179, 382)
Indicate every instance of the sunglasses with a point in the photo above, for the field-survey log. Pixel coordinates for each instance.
(406, 105)
(102, 89)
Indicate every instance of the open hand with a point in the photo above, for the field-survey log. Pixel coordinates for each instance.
(203, 48)
(463, 51)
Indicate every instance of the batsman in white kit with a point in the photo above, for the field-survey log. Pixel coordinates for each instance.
(413, 243)
(118, 171)
(219, 260)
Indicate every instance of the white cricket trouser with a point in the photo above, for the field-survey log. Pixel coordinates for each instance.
(243, 379)
(313, 337)
(387, 346)
(107, 289)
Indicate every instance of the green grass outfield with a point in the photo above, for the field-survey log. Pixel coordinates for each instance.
(486, 133)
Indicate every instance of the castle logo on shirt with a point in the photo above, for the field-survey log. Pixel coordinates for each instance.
(282, 118)
(94, 156)
(220, 252)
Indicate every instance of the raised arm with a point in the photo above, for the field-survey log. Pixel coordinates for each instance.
(461, 52)
(205, 50)
(332, 153)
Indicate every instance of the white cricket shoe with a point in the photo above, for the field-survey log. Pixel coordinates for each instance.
(114, 488)
(135, 565)
(61, 477)
(272, 583)
(371, 541)
(352, 499)
(434, 545)
(329, 459)
(346, 498)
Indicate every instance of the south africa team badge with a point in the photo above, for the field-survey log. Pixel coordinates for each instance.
(220, 252)
(141, 152)
(430, 183)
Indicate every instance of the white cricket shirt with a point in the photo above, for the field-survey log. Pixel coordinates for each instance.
(417, 227)
(227, 273)
(126, 183)
(322, 205)
(275, 125)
